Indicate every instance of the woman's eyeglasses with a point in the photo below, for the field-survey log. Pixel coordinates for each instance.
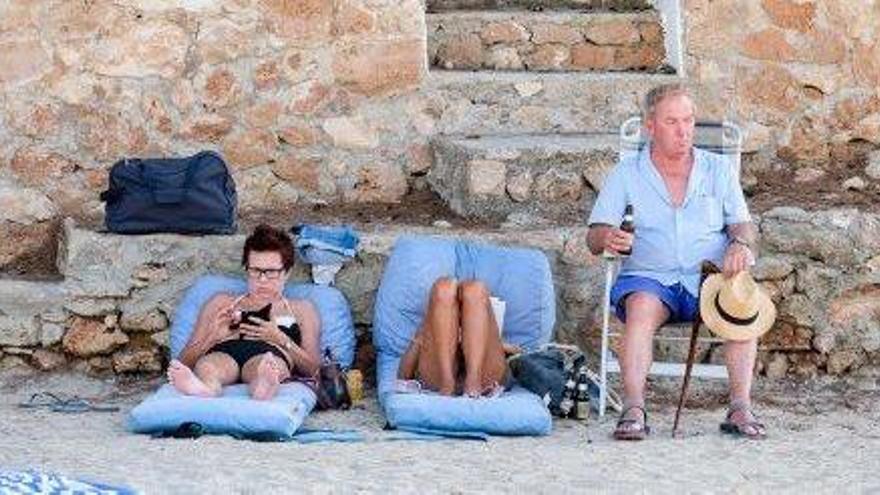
(269, 273)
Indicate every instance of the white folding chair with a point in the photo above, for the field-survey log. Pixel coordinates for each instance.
(723, 138)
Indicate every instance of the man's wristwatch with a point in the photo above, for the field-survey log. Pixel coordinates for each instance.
(740, 240)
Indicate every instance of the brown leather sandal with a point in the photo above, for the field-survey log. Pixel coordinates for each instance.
(750, 429)
(632, 429)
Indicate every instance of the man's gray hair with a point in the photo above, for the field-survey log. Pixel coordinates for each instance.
(660, 93)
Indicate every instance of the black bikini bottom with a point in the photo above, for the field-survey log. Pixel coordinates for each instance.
(243, 350)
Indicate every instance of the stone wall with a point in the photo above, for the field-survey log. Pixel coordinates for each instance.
(301, 97)
(802, 75)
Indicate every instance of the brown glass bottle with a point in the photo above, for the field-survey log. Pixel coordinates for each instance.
(628, 225)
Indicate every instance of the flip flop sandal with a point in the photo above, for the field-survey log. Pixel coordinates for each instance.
(624, 429)
(80, 405)
(56, 403)
(41, 399)
(752, 430)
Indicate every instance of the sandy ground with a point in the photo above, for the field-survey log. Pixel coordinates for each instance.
(823, 440)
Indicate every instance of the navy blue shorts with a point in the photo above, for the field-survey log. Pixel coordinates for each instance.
(682, 305)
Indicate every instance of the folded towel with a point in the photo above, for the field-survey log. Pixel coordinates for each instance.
(325, 244)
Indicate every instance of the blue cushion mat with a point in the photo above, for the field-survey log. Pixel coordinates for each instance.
(519, 276)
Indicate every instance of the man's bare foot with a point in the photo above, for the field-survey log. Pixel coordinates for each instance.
(268, 379)
(186, 382)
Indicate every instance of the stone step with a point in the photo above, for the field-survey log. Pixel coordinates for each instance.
(538, 5)
(493, 103)
(531, 179)
(546, 42)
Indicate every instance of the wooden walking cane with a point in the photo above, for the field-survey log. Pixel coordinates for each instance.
(706, 269)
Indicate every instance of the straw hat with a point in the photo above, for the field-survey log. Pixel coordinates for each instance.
(736, 308)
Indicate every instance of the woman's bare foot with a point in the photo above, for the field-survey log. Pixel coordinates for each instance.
(472, 388)
(186, 382)
(268, 379)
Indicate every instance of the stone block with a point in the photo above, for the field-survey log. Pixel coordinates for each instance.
(249, 148)
(768, 44)
(548, 57)
(376, 69)
(44, 360)
(486, 177)
(592, 57)
(19, 331)
(791, 14)
(221, 89)
(379, 182)
(87, 338)
(304, 20)
(613, 32)
(50, 333)
(503, 58)
(785, 336)
(303, 173)
(351, 133)
(866, 62)
(137, 361)
(22, 61)
(771, 267)
(24, 205)
(141, 48)
(462, 52)
(519, 187)
(211, 128)
(842, 360)
(507, 32)
(552, 33)
(777, 367)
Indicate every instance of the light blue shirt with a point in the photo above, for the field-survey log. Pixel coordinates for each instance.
(670, 243)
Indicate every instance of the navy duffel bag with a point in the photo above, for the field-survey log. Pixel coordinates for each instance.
(194, 195)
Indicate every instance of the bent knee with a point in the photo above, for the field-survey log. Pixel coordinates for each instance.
(474, 291)
(444, 290)
(645, 311)
(206, 367)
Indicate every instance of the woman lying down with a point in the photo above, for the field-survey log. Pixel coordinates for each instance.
(260, 338)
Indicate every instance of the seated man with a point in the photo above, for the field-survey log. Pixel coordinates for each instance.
(688, 208)
(458, 348)
(262, 352)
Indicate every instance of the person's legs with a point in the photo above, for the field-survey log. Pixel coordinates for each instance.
(437, 366)
(644, 315)
(264, 374)
(485, 364)
(211, 372)
(740, 359)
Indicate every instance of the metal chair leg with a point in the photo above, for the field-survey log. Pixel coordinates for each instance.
(606, 321)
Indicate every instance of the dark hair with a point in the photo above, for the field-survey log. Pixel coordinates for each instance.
(269, 239)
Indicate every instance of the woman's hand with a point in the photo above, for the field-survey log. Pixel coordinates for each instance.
(223, 318)
(266, 331)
